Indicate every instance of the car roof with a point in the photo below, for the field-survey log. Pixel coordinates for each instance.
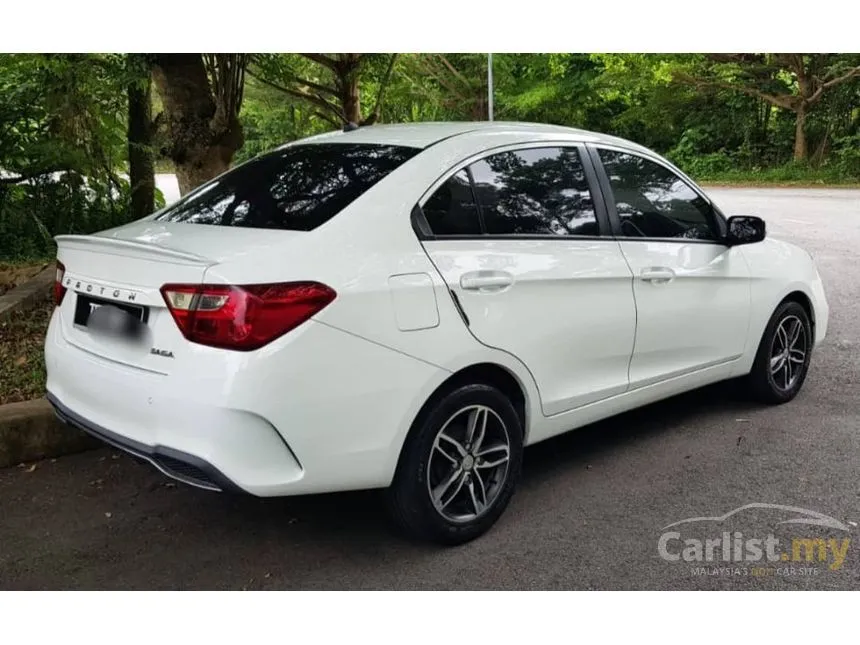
(423, 135)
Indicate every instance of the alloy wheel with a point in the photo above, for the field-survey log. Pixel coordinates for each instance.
(788, 352)
(468, 463)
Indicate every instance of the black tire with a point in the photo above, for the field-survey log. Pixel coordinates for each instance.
(766, 386)
(409, 499)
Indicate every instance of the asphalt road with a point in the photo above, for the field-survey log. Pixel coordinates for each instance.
(588, 515)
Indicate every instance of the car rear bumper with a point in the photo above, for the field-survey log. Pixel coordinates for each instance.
(176, 464)
(319, 410)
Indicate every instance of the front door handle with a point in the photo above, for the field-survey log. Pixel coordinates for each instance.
(657, 275)
(486, 281)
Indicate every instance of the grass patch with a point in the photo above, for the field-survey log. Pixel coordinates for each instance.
(787, 175)
(752, 183)
(22, 360)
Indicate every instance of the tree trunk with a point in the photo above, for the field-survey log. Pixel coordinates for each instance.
(141, 166)
(480, 109)
(376, 115)
(800, 148)
(351, 100)
(201, 165)
(817, 157)
(804, 89)
(347, 84)
(768, 110)
(201, 146)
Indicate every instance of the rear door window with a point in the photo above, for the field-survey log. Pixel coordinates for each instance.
(535, 191)
(297, 188)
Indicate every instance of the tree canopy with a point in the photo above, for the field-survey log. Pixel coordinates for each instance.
(73, 127)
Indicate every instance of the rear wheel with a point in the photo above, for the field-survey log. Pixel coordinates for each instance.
(782, 360)
(459, 467)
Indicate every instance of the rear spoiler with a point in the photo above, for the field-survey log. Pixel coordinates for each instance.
(146, 250)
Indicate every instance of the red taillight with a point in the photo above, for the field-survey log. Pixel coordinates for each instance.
(59, 289)
(243, 317)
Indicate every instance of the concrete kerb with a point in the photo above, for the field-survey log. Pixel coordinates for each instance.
(29, 430)
(27, 295)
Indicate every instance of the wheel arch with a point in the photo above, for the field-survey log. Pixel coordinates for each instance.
(804, 301)
(762, 315)
(489, 373)
(499, 377)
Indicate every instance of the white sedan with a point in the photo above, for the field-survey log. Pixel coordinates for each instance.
(407, 306)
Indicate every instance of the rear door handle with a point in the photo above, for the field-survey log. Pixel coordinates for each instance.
(657, 275)
(486, 281)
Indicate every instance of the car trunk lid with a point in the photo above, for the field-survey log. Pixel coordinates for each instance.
(124, 269)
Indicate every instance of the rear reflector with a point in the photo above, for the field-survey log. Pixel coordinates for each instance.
(59, 289)
(243, 317)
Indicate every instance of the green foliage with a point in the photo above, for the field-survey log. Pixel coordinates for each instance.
(63, 117)
(325, 83)
(553, 88)
(61, 112)
(845, 158)
(62, 144)
(790, 173)
(35, 211)
(269, 121)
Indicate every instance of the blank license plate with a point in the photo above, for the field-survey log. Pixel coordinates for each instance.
(87, 304)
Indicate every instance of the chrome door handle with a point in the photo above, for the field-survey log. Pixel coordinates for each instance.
(486, 281)
(657, 275)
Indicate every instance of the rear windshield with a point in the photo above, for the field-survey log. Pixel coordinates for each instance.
(295, 189)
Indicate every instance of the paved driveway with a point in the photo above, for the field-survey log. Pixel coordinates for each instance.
(588, 516)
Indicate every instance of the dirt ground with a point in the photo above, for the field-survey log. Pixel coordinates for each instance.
(22, 337)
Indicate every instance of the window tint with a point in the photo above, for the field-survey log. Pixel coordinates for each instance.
(451, 210)
(652, 201)
(296, 188)
(537, 191)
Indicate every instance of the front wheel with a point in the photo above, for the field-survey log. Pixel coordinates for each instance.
(459, 467)
(783, 356)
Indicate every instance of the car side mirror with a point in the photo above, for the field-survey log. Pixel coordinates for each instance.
(744, 229)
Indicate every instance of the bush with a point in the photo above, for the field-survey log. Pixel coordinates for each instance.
(741, 166)
(688, 155)
(845, 158)
(32, 213)
(714, 163)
